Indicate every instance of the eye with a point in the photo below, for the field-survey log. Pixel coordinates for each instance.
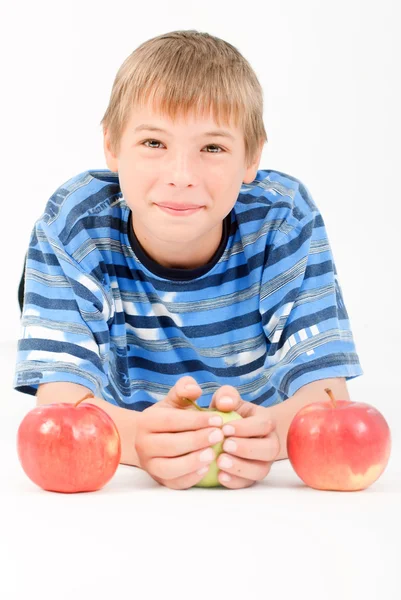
(208, 146)
(143, 143)
(214, 146)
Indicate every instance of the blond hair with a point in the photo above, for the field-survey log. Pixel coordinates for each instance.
(188, 71)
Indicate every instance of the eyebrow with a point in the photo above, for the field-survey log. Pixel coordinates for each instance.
(217, 132)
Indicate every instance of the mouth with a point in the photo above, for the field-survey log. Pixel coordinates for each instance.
(181, 211)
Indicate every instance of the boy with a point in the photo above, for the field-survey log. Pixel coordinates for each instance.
(184, 272)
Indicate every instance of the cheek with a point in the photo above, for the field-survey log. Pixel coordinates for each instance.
(136, 187)
(225, 195)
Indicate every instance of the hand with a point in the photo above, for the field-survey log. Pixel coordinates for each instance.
(257, 443)
(171, 437)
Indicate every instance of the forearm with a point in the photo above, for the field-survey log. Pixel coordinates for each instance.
(282, 414)
(124, 419)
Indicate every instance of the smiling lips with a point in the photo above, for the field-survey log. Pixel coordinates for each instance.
(180, 210)
(179, 206)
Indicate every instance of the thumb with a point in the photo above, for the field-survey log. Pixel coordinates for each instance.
(184, 389)
(226, 399)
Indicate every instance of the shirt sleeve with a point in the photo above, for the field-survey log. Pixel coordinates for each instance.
(64, 330)
(303, 312)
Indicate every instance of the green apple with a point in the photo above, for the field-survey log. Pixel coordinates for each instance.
(211, 477)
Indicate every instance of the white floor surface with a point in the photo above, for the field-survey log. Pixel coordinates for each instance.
(135, 539)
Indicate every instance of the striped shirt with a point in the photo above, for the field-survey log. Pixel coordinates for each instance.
(265, 315)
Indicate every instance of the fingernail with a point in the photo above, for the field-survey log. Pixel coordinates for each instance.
(216, 436)
(225, 462)
(225, 477)
(203, 471)
(192, 387)
(207, 455)
(228, 430)
(225, 401)
(216, 421)
(229, 446)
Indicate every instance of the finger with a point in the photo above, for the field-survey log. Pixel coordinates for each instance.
(233, 482)
(179, 443)
(173, 420)
(171, 468)
(226, 398)
(252, 426)
(263, 449)
(186, 387)
(248, 469)
(185, 482)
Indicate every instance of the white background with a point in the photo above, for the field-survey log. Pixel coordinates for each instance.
(330, 72)
(331, 82)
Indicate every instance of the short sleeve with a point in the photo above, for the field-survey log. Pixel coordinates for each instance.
(64, 331)
(303, 312)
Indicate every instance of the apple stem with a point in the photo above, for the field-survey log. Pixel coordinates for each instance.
(194, 403)
(330, 393)
(84, 398)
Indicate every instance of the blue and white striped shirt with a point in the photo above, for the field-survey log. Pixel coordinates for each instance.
(265, 315)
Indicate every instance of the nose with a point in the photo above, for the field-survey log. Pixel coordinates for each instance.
(180, 169)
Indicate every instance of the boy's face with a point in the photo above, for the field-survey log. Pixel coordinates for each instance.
(183, 168)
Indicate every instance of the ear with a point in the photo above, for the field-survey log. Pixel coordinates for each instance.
(251, 171)
(111, 160)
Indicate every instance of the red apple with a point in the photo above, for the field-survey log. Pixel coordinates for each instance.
(66, 447)
(338, 444)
